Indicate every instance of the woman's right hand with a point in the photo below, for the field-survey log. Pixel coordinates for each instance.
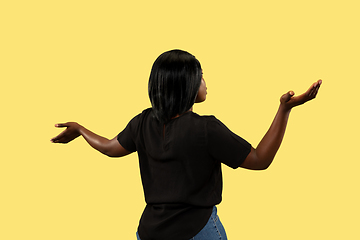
(111, 148)
(71, 132)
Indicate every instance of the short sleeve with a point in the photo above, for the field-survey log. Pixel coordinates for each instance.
(126, 137)
(225, 146)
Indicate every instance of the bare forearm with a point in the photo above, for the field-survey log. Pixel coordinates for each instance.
(261, 157)
(270, 143)
(111, 148)
(97, 142)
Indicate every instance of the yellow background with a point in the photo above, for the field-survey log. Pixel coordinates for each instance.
(89, 61)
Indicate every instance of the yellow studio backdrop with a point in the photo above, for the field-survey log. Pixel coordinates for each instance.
(89, 61)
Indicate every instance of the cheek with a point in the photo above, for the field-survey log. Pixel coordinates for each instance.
(203, 84)
(204, 87)
(203, 92)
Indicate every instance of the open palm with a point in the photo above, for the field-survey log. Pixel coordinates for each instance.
(290, 101)
(70, 133)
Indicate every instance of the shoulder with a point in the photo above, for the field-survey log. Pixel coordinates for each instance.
(209, 120)
(206, 123)
(194, 120)
(203, 117)
(144, 114)
(135, 124)
(138, 120)
(214, 127)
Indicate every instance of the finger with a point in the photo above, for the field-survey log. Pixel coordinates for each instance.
(287, 96)
(60, 125)
(55, 139)
(311, 92)
(58, 137)
(316, 89)
(58, 140)
(317, 83)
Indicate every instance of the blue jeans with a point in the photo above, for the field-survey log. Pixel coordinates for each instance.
(213, 230)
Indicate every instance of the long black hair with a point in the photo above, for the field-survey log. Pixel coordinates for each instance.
(173, 84)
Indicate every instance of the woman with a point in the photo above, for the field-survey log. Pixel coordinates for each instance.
(180, 153)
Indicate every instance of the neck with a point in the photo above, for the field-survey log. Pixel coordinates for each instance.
(178, 115)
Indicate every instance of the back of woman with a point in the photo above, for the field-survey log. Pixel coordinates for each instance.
(180, 165)
(181, 153)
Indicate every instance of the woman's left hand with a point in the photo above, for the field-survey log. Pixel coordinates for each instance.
(288, 100)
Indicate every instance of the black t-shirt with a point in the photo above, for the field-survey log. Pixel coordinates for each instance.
(180, 166)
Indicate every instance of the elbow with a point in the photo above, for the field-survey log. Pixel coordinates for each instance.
(261, 168)
(255, 161)
(265, 164)
(115, 152)
(258, 166)
(108, 153)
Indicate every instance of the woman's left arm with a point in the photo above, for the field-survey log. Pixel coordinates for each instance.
(261, 157)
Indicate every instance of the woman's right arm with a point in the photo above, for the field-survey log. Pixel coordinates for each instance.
(111, 148)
